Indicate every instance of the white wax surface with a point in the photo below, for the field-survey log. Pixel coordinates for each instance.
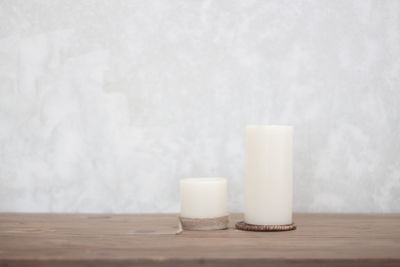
(269, 178)
(203, 197)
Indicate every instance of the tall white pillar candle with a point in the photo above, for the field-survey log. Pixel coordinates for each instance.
(269, 175)
(203, 203)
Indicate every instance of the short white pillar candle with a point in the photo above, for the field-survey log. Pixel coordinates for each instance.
(203, 203)
(268, 198)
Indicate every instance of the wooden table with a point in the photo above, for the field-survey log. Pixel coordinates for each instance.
(150, 240)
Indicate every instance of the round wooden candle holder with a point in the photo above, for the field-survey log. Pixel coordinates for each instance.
(264, 228)
(217, 223)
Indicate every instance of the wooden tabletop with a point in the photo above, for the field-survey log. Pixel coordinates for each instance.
(150, 240)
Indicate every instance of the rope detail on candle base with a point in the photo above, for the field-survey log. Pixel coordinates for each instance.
(264, 228)
(216, 223)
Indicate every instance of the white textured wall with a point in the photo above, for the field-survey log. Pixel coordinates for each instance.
(105, 105)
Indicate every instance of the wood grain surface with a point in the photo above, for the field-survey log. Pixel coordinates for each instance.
(150, 240)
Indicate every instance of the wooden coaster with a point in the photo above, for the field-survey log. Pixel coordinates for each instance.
(264, 228)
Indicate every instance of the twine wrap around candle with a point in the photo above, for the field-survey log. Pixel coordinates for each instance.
(217, 223)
